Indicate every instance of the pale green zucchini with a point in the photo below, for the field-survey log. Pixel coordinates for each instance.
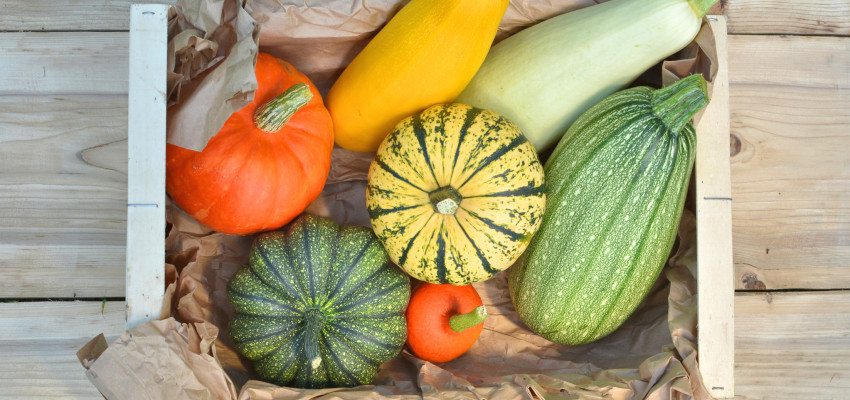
(545, 76)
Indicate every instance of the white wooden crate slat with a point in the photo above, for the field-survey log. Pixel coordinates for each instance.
(146, 164)
(716, 339)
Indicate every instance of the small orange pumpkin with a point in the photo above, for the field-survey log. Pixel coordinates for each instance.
(443, 321)
(268, 162)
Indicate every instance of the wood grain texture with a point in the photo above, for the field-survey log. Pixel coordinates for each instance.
(39, 341)
(60, 319)
(801, 17)
(797, 17)
(47, 15)
(44, 369)
(790, 101)
(68, 15)
(145, 281)
(63, 195)
(63, 63)
(714, 231)
(792, 345)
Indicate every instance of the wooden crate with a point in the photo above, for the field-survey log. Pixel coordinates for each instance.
(146, 196)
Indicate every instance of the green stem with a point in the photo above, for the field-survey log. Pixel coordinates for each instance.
(701, 6)
(273, 115)
(445, 200)
(676, 104)
(315, 320)
(462, 322)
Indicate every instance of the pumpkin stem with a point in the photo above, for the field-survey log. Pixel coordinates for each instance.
(676, 104)
(273, 115)
(462, 322)
(315, 320)
(445, 200)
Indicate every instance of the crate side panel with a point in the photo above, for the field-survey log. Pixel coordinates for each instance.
(146, 163)
(714, 232)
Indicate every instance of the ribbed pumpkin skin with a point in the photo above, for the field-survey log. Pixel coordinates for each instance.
(616, 185)
(247, 180)
(426, 54)
(315, 268)
(493, 168)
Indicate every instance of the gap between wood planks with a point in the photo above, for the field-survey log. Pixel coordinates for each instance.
(63, 31)
(793, 35)
(43, 299)
(789, 290)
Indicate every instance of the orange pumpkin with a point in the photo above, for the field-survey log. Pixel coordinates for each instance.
(443, 321)
(268, 162)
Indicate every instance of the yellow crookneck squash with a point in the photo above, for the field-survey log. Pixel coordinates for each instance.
(425, 55)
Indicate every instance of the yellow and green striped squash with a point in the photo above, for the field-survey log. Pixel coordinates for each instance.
(455, 194)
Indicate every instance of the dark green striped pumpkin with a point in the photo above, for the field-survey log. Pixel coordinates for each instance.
(318, 305)
(455, 194)
(616, 185)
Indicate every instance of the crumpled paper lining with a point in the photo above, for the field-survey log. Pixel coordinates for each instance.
(209, 42)
(652, 356)
(162, 359)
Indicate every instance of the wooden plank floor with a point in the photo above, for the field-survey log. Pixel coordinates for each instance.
(63, 150)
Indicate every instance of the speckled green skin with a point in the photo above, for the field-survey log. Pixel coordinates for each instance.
(338, 279)
(616, 186)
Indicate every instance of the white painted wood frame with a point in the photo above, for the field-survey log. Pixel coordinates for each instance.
(715, 279)
(146, 162)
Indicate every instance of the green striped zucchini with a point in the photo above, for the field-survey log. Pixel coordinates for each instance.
(318, 305)
(616, 185)
(455, 194)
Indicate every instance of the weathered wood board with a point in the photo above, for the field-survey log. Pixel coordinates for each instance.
(792, 345)
(43, 320)
(798, 17)
(39, 342)
(63, 63)
(790, 101)
(68, 15)
(63, 192)
(44, 369)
